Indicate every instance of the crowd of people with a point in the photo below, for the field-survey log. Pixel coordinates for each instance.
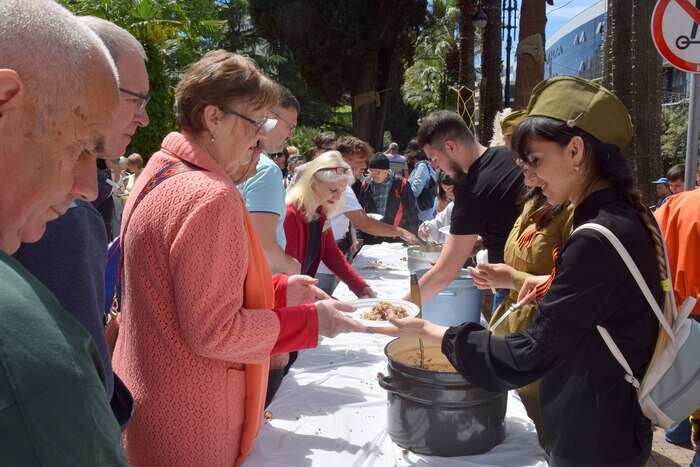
(230, 243)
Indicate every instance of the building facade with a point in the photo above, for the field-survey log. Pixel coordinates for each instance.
(577, 48)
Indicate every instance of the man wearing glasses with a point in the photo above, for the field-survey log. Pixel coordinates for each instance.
(70, 258)
(264, 191)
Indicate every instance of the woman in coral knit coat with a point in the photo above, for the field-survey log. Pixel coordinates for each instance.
(201, 314)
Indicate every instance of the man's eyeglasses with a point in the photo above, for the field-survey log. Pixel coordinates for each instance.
(141, 99)
(267, 123)
(291, 127)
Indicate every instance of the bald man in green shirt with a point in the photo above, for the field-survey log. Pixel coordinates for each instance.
(58, 96)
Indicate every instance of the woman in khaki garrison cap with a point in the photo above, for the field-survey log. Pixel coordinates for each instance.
(572, 141)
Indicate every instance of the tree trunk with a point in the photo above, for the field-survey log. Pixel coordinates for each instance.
(646, 99)
(467, 75)
(490, 89)
(530, 69)
(365, 112)
(629, 52)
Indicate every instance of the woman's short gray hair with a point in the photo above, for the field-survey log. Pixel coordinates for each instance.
(48, 48)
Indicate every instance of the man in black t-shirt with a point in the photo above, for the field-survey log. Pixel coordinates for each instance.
(488, 184)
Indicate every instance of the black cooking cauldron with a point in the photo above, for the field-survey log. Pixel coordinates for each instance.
(438, 412)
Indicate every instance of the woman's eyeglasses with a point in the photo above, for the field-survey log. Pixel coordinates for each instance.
(267, 123)
(337, 170)
(297, 158)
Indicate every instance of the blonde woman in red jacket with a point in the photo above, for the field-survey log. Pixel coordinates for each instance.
(317, 195)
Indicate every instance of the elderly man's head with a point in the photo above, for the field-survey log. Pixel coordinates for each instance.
(58, 96)
(129, 57)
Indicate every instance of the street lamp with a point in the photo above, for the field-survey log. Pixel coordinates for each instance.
(479, 19)
(436, 77)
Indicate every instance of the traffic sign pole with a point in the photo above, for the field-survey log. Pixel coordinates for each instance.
(691, 155)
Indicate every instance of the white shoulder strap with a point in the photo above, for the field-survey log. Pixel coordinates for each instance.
(622, 251)
(615, 350)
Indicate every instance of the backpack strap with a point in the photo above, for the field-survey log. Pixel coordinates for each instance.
(624, 254)
(169, 170)
(629, 262)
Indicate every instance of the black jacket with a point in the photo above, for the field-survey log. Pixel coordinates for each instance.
(401, 210)
(589, 412)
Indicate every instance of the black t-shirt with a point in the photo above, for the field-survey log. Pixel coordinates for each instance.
(486, 200)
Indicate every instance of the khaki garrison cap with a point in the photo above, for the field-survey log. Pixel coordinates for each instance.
(510, 121)
(583, 104)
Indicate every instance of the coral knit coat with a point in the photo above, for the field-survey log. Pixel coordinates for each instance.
(186, 335)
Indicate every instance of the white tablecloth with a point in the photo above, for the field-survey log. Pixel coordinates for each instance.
(330, 411)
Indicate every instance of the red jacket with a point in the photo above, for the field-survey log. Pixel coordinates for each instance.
(296, 230)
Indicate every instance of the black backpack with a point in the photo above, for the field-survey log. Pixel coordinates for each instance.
(426, 198)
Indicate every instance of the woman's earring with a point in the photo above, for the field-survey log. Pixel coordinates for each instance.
(575, 168)
(213, 137)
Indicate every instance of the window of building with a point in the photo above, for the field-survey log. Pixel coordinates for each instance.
(583, 36)
(600, 28)
(575, 39)
(582, 66)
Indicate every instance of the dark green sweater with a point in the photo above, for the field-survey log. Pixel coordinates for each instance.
(53, 405)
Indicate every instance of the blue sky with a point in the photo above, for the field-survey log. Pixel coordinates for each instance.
(562, 11)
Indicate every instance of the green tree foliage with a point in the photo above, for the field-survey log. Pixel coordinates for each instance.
(435, 61)
(346, 48)
(276, 60)
(174, 34)
(674, 133)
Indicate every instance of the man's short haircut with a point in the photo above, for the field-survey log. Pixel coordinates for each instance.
(325, 140)
(219, 79)
(677, 172)
(444, 125)
(287, 100)
(116, 39)
(393, 146)
(49, 49)
(136, 159)
(348, 145)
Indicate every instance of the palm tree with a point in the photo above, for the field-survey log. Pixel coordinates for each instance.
(530, 51)
(629, 52)
(490, 89)
(467, 73)
(433, 60)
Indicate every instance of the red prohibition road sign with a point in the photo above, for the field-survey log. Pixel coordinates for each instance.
(675, 28)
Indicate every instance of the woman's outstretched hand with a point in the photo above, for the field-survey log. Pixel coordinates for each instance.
(333, 320)
(302, 290)
(412, 327)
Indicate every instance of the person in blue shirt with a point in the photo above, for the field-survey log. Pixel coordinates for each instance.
(264, 192)
(419, 180)
(663, 190)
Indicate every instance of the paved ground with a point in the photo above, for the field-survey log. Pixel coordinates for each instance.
(666, 454)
